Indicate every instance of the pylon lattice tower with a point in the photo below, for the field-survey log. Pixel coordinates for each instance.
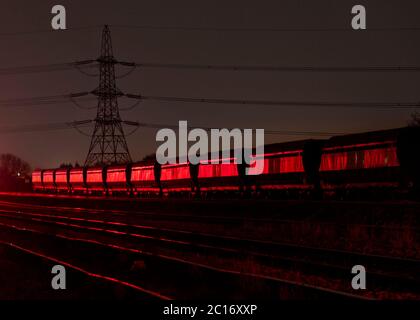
(108, 144)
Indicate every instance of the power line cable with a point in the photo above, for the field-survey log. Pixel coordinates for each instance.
(271, 68)
(34, 100)
(49, 31)
(261, 29)
(77, 104)
(270, 132)
(366, 105)
(131, 107)
(42, 127)
(134, 67)
(47, 68)
(41, 100)
(56, 99)
(79, 68)
(211, 29)
(84, 123)
(90, 64)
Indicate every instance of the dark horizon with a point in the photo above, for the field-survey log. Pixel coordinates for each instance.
(270, 48)
(324, 206)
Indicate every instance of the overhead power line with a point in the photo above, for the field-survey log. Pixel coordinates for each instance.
(271, 68)
(93, 64)
(270, 132)
(65, 98)
(48, 67)
(41, 100)
(43, 127)
(366, 105)
(171, 28)
(48, 31)
(259, 29)
(86, 123)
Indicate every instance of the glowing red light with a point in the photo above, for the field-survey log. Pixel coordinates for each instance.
(139, 173)
(48, 177)
(116, 175)
(175, 172)
(360, 159)
(217, 170)
(61, 176)
(76, 176)
(279, 165)
(36, 177)
(94, 175)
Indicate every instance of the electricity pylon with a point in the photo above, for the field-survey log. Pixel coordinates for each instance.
(108, 144)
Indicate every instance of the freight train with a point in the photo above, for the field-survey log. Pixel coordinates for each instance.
(342, 165)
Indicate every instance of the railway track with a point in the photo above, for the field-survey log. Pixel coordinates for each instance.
(96, 281)
(159, 208)
(208, 219)
(168, 276)
(384, 272)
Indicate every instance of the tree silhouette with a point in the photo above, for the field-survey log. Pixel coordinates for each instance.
(11, 165)
(14, 173)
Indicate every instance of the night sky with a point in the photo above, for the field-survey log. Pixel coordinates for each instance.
(297, 48)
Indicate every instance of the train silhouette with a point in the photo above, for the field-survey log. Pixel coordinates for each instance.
(372, 164)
